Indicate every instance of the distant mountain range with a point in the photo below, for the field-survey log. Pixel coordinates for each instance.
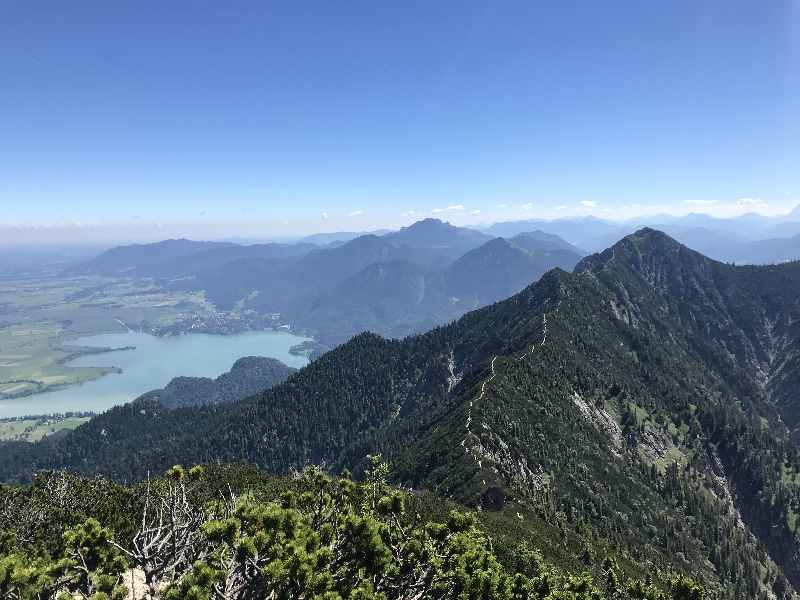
(408, 281)
(181, 258)
(747, 239)
(648, 401)
(338, 237)
(395, 284)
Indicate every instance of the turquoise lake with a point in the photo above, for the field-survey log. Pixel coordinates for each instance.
(152, 365)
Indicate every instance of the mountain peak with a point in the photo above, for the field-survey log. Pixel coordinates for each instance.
(498, 243)
(648, 239)
(539, 241)
(650, 252)
(433, 233)
(427, 222)
(432, 225)
(428, 225)
(648, 233)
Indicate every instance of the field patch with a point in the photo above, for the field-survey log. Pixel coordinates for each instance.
(44, 317)
(33, 429)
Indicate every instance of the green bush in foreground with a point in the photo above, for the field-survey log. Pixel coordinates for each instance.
(327, 539)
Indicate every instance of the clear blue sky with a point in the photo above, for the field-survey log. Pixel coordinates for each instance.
(280, 112)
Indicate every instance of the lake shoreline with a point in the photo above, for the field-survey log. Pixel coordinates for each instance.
(143, 361)
(88, 351)
(75, 352)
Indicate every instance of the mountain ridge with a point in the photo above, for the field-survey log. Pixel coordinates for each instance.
(641, 392)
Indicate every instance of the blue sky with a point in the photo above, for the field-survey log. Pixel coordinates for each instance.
(306, 116)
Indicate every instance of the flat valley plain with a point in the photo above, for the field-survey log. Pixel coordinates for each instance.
(40, 316)
(33, 429)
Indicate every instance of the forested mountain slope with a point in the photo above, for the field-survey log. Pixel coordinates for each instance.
(399, 297)
(635, 403)
(742, 321)
(501, 267)
(248, 375)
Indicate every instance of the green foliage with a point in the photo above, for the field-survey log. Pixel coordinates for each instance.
(683, 588)
(90, 566)
(318, 537)
(23, 578)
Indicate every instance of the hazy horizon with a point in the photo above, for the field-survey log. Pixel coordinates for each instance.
(143, 232)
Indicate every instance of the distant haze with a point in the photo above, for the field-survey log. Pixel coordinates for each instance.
(736, 214)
